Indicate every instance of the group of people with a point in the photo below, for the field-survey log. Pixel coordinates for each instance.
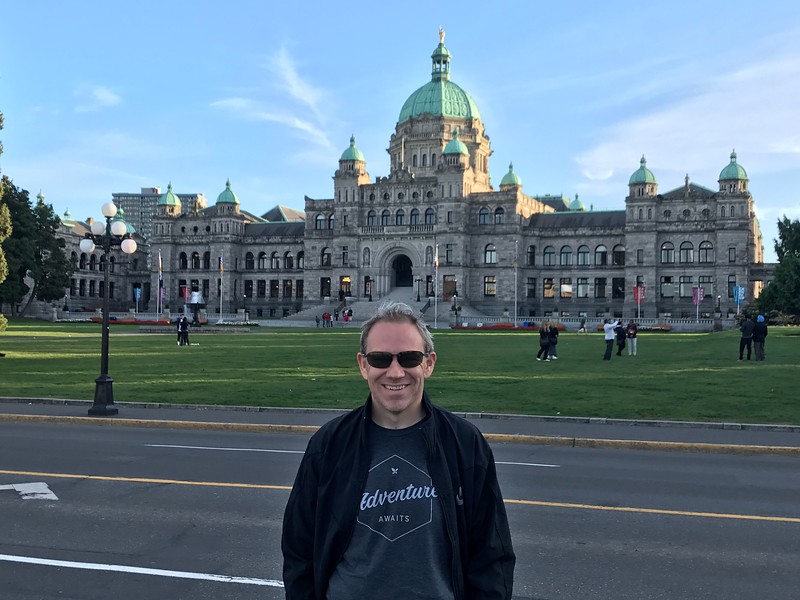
(754, 333)
(328, 318)
(625, 336)
(548, 341)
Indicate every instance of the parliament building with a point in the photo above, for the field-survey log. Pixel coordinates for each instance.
(437, 226)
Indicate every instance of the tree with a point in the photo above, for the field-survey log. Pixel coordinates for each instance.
(782, 295)
(5, 233)
(33, 250)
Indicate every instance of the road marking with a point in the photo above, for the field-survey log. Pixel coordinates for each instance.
(656, 511)
(258, 486)
(140, 570)
(500, 462)
(37, 490)
(226, 449)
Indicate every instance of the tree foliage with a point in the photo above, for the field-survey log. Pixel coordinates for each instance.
(782, 295)
(33, 249)
(5, 233)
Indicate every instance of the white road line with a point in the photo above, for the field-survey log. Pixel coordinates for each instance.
(226, 449)
(31, 491)
(140, 571)
(499, 462)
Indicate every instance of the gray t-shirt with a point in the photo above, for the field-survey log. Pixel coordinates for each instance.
(399, 547)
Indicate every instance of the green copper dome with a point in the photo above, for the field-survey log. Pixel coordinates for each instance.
(440, 97)
(120, 216)
(352, 153)
(227, 196)
(455, 146)
(576, 204)
(170, 198)
(734, 170)
(510, 178)
(642, 174)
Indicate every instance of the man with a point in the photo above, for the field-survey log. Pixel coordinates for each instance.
(608, 330)
(398, 498)
(746, 340)
(631, 330)
(760, 333)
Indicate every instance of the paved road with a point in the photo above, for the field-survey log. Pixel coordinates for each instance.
(195, 512)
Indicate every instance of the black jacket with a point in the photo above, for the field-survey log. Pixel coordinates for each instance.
(760, 332)
(322, 509)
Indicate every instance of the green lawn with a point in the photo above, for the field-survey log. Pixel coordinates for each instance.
(675, 376)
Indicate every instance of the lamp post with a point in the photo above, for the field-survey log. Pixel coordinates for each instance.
(106, 236)
(418, 280)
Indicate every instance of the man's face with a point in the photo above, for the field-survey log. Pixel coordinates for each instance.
(396, 391)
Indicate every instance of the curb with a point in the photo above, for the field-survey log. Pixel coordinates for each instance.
(536, 440)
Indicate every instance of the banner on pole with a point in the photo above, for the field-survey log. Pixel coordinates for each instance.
(698, 294)
(738, 293)
(638, 294)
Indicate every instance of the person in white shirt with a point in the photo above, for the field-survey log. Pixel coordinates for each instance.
(608, 330)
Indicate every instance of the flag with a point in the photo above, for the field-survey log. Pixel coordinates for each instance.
(436, 258)
(221, 263)
(160, 273)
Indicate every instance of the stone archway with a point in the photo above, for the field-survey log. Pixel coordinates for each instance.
(403, 274)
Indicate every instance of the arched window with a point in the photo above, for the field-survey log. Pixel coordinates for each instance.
(424, 160)
(483, 216)
(433, 160)
(206, 260)
(531, 255)
(618, 255)
(667, 253)
(386, 217)
(288, 261)
(601, 255)
(414, 216)
(722, 211)
(566, 256)
(183, 261)
(649, 213)
(641, 214)
(583, 255)
(430, 216)
(490, 254)
(400, 217)
(706, 213)
(733, 213)
(274, 261)
(667, 214)
(686, 253)
(195, 260)
(301, 260)
(686, 213)
(325, 257)
(705, 253)
(366, 257)
(330, 222)
(414, 161)
(262, 261)
(549, 256)
(92, 262)
(499, 216)
(371, 218)
(249, 261)
(319, 222)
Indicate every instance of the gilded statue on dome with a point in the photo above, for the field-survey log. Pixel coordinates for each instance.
(441, 35)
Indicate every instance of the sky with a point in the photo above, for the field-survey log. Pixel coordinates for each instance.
(107, 97)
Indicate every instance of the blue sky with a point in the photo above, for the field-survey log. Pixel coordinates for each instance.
(105, 97)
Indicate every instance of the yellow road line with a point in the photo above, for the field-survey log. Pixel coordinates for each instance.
(257, 486)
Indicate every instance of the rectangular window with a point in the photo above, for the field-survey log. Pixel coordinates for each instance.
(731, 254)
(489, 285)
(274, 288)
(92, 286)
(583, 287)
(640, 257)
(345, 257)
(731, 285)
(299, 288)
(599, 287)
(248, 288)
(667, 287)
(449, 216)
(262, 288)
(707, 283)
(448, 254)
(287, 288)
(110, 289)
(548, 287)
(530, 286)
(685, 287)
(565, 287)
(618, 288)
(531, 256)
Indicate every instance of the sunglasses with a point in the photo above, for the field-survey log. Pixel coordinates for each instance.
(408, 359)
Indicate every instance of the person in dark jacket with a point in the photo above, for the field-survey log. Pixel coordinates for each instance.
(398, 498)
(746, 341)
(759, 337)
(553, 335)
(544, 341)
(619, 331)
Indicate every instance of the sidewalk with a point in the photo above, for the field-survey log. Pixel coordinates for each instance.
(538, 430)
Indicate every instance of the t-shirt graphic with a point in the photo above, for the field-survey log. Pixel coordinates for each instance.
(397, 499)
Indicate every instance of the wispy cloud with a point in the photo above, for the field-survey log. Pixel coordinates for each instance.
(95, 98)
(299, 100)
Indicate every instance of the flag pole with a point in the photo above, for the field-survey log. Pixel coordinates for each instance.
(221, 273)
(436, 289)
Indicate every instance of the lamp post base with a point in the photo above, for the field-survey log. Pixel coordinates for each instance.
(103, 398)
